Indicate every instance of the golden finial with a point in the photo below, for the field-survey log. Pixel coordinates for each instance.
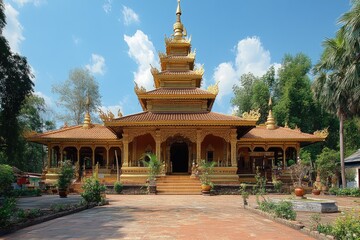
(119, 113)
(214, 89)
(251, 115)
(322, 133)
(270, 122)
(178, 26)
(87, 119)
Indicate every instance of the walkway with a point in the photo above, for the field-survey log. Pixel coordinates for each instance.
(162, 217)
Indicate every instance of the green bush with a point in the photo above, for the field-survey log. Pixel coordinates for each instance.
(66, 175)
(6, 179)
(25, 192)
(282, 209)
(347, 226)
(6, 211)
(118, 187)
(353, 192)
(92, 190)
(325, 228)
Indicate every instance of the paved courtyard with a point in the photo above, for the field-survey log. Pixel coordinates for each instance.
(162, 217)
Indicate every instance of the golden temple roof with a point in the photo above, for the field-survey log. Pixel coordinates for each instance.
(96, 132)
(196, 92)
(261, 133)
(180, 119)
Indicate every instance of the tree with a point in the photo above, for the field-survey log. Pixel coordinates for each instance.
(337, 73)
(15, 84)
(327, 163)
(294, 101)
(31, 119)
(253, 93)
(73, 94)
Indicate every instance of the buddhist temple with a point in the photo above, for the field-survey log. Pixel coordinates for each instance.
(178, 125)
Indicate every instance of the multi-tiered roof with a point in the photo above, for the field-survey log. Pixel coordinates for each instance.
(177, 98)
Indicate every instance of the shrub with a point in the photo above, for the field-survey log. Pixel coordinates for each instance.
(6, 178)
(277, 185)
(66, 175)
(6, 211)
(353, 192)
(118, 187)
(259, 187)
(92, 190)
(347, 226)
(244, 194)
(282, 209)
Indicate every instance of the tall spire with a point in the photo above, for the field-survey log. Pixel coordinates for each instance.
(178, 26)
(270, 123)
(87, 119)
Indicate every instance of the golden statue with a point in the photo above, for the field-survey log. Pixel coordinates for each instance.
(252, 115)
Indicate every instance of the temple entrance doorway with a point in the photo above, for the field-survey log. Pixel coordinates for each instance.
(179, 156)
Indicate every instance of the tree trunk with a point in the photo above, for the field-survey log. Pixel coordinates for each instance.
(341, 132)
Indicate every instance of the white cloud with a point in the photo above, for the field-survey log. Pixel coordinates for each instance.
(48, 101)
(250, 57)
(142, 51)
(97, 64)
(13, 30)
(107, 6)
(129, 16)
(36, 3)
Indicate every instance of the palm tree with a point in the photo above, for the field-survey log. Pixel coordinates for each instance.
(337, 75)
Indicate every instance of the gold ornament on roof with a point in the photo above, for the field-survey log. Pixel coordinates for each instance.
(138, 89)
(162, 55)
(322, 133)
(214, 89)
(153, 70)
(119, 113)
(200, 70)
(252, 115)
(106, 117)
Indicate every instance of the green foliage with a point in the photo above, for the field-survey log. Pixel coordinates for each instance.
(353, 192)
(305, 156)
(327, 163)
(6, 179)
(206, 168)
(6, 211)
(25, 192)
(66, 175)
(259, 187)
(277, 185)
(253, 93)
(347, 226)
(93, 190)
(154, 165)
(351, 135)
(282, 209)
(118, 187)
(290, 162)
(244, 194)
(29, 213)
(73, 94)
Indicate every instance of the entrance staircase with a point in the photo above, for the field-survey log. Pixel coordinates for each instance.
(178, 185)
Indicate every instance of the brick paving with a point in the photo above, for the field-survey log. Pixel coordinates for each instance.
(162, 217)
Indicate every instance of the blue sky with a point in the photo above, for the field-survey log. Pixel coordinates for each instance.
(117, 40)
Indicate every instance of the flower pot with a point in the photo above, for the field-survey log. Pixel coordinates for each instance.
(205, 188)
(63, 193)
(299, 191)
(316, 191)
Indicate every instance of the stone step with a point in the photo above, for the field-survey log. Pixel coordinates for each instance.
(178, 193)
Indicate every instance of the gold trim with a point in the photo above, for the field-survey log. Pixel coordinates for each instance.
(322, 133)
(252, 115)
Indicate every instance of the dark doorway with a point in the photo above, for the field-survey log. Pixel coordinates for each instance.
(179, 156)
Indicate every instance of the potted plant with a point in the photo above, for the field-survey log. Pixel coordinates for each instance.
(65, 176)
(154, 168)
(206, 169)
(298, 172)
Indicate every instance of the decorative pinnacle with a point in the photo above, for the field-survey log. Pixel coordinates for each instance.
(178, 26)
(87, 119)
(270, 123)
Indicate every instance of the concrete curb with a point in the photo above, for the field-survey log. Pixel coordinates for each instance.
(292, 224)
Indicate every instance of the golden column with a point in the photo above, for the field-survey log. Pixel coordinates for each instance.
(198, 145)
(158, 144)
(126, 149)
(233, 141)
